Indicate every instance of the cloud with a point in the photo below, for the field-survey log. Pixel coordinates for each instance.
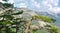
(23, 5)
(21, 0)
(20, 3)
(52, 2)
(45, 5)
(51, 5)
(56, 10)
(35, 3)
(11, 1)
(2, 1)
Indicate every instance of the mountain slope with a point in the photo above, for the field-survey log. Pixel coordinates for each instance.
(53, 15)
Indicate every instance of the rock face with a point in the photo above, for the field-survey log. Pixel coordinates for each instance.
(1, 6)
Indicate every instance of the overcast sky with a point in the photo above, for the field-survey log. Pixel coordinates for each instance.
(39, 5)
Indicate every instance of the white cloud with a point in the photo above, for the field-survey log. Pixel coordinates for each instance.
(23, 5)
(21, 0)
(52, 2)
(56, 10)
(34, 3)
(45, 5)
(2, 1)
(11, 1)
(51, 5)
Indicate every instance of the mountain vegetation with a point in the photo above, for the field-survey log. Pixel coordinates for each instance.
(11, 23)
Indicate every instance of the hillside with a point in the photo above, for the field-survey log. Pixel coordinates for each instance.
(28, 13)
(25, 20)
